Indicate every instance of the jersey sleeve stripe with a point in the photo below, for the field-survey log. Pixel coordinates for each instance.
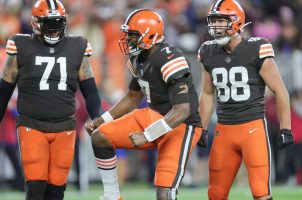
(11, 52)
(11, 47)
(172, 62)
(267, 55)
(266, 50)
(174, 70)
(167, 70)
(88, 51)
(265, 45)
(11, 42)
(130, 67)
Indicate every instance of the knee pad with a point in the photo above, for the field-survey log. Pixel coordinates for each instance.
(54, 192)
(35, 189)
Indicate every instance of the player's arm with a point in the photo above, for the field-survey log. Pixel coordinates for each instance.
(206, 99)
(89, 90)
(179, 96)
(8, 82)
(180, 111)
(126, 104)
(175, 73)
(273, 80)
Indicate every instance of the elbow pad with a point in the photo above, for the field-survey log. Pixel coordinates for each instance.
(6, 91)
(91, 96)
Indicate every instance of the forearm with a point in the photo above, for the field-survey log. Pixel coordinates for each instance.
(206, 108)
(91, 96)
(177, 115)
(124, 106)
(128, 103)
(6, 91)
(283, 109)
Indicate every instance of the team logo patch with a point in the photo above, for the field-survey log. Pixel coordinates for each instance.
(217, 133)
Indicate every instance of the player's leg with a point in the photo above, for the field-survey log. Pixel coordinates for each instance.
(61, 156)
(174, 150)
(113, 135)
(256, 154)
(34, 151)
(224, 161)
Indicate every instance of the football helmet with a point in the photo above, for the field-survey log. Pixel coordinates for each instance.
(143, 28)
(232, 13)
(49, 20)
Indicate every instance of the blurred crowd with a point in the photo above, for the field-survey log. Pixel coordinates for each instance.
(185, 26)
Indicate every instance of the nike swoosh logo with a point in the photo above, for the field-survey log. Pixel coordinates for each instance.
(170, 56)
(69, 132)
(253, 130)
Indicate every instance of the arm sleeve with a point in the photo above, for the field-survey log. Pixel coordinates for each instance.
(6, 91)
(91, 96)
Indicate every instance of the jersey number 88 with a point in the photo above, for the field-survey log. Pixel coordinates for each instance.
(239, 89)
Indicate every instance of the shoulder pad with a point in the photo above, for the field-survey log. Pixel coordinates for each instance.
(172, 63)
(82, 41)
(205, 49)
(263, 47)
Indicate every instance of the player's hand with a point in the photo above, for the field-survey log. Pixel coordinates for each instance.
(91, 126)
(285, 138)
(138, 139)
(203, 140)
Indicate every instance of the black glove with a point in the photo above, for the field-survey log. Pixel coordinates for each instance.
(203, 140)
(285, 138)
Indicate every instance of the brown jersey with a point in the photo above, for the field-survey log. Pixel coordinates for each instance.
(153, 73)
(47, 80)
(239, 86)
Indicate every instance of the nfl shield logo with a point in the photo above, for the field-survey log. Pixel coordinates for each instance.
(51, 50)
(228, 60)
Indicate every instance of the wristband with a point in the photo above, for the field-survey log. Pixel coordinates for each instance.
(156, 129)
(107, 117)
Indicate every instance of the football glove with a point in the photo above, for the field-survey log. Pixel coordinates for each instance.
(203, 140)
(285, 138)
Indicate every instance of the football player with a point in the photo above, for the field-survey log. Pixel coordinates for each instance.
(47, 66)
(237, 70)
(171, 123)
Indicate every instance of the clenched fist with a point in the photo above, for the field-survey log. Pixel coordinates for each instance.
(138, 138)
(91, 126)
